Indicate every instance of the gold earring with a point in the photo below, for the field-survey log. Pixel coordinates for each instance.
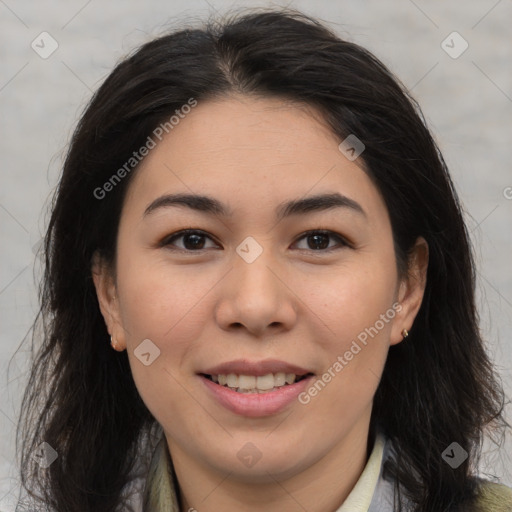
(114, 344)
(405, 333)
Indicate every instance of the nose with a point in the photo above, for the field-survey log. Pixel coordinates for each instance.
(256, 297)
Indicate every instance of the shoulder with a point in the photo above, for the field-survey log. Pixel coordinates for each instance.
(491, 496)
(494, 497)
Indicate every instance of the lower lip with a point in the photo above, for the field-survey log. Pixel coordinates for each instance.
(255, 405)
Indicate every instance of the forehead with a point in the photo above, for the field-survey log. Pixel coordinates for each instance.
(249, 152)
(242, 125)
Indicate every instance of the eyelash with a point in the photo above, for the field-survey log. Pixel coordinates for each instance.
(166, 242)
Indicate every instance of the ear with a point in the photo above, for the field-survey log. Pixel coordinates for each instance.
(411, 290)
(104, 283)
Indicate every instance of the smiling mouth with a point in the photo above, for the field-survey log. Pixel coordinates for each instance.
(255, 384)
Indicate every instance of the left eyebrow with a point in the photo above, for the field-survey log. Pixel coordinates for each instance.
(213, 206)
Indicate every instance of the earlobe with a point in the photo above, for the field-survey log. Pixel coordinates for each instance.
(106, 294)
(411, 291)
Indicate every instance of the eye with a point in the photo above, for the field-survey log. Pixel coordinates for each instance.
(193, 240)
(319, 240)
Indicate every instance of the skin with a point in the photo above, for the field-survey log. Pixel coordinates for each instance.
(295, 302)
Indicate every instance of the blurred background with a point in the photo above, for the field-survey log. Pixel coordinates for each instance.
(454, 57)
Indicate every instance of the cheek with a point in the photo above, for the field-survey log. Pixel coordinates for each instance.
(354, 359)
(357, 306)
(161, 301)
(165, 305)
(169, 309)
(352, 299)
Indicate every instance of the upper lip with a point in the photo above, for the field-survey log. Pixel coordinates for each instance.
(256, 368)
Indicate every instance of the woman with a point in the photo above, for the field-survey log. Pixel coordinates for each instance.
(256, 219)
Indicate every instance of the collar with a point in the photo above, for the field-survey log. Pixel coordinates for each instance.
(360, 497)
(160, 492)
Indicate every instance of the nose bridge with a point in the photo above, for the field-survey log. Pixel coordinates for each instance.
(253, 267)
(256, 297)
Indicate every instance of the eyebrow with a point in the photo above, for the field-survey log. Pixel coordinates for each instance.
(210, 205)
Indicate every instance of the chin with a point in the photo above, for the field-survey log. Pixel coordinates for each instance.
(249, 464)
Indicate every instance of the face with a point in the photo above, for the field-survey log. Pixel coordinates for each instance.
(303, 299)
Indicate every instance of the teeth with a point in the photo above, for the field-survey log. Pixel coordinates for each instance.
(252, 384)
(280, 379)
(232, 381)
(247, 382)
(264, 382)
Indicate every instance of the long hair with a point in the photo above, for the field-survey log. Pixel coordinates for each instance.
(438, 386)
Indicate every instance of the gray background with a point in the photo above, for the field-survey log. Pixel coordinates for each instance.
(467, 102)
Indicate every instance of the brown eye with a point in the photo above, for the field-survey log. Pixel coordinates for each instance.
(193, 240)
(318, 240)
